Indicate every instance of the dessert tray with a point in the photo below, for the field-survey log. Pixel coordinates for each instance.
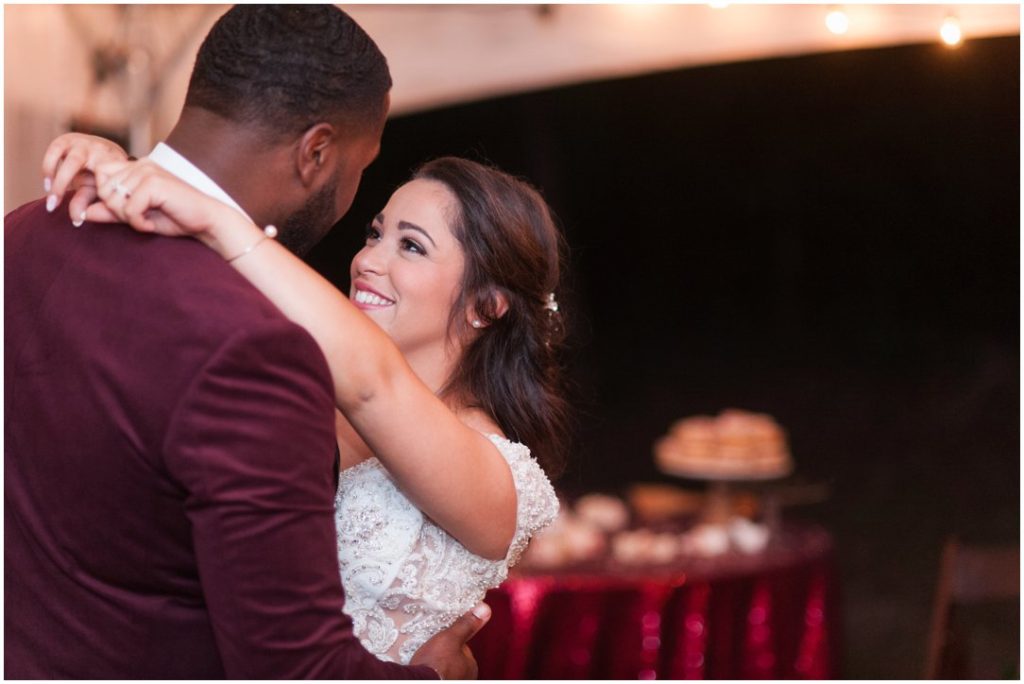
(735, 446)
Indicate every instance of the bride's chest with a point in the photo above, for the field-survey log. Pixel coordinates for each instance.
(372, 516)
(378, 528)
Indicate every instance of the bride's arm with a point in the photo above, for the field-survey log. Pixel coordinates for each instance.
(450, 471)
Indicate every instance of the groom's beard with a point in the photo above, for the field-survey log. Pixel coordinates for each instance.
(306, 227)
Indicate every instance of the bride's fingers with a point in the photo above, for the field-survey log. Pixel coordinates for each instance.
(122, 176)
(80, 201)
(51, 160)
(69, 166)
(105, 171)
(52, 156)
(75, 167)
(127, 193)
(139, 193)
(115, 193)
(139, 201)
(145, 208)
(111, 178)
(99, 213)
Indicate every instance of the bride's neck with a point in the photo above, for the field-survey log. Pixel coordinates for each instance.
(432, 366)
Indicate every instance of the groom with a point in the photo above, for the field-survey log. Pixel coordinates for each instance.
(169, 434)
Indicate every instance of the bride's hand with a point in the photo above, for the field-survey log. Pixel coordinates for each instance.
(69, 163)
(151, 200)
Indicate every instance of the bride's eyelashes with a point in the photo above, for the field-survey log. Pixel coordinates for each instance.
(409, 245)
(405, 244)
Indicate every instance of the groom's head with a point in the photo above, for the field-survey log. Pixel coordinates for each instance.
(299, 95)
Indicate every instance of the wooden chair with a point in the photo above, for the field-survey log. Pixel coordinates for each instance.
(969, 575)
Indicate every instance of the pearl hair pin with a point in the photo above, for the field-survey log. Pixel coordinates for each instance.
(269, 232)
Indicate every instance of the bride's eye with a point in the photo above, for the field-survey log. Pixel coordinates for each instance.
(372, 233)
(412, 246)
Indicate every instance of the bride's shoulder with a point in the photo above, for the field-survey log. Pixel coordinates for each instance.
(512, 451)
(537, 502)
(480, 421)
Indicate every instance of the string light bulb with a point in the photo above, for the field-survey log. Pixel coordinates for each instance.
(837, 21)
(718, 5)
(951, 33)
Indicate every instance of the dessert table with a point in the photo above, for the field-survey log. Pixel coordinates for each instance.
(770, 615)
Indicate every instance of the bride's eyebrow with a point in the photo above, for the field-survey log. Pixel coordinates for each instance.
(405, 225)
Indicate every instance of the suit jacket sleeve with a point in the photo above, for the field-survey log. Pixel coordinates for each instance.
(251, 445)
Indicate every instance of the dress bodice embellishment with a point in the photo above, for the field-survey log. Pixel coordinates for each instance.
(405, 578)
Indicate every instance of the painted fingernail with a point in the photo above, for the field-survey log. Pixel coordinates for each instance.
(47, 184)
(51, 203)
(78, 223)
(482, 611)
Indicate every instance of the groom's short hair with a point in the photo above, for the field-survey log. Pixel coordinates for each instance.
(288, 67)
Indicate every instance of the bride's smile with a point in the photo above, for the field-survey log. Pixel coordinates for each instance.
(366, 298)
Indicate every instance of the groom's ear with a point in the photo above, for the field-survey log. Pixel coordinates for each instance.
(314, 152)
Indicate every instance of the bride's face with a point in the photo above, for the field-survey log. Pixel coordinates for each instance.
(407, 276)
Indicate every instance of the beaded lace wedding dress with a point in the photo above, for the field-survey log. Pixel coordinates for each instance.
(405, 578)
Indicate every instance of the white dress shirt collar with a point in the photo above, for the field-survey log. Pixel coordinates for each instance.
(169, 159)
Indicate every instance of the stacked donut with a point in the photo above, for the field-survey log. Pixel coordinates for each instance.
(734, 444)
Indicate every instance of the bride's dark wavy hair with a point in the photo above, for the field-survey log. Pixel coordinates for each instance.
(512, 246)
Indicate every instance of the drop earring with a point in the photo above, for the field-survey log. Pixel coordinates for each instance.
(476, 323)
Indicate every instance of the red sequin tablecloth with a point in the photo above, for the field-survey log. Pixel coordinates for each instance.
(773, 615)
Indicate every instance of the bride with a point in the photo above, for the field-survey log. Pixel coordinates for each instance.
(452, 301)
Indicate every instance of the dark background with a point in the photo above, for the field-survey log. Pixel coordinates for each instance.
(832, 239)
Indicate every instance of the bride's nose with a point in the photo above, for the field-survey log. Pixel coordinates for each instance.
(368, 260)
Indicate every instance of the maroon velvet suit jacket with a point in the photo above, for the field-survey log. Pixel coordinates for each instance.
(168, 468)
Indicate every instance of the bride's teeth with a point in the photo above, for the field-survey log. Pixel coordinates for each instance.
(364, 297)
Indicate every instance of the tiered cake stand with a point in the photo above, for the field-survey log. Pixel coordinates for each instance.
(722, 485)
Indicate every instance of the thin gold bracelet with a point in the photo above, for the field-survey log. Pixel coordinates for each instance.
(268, 232)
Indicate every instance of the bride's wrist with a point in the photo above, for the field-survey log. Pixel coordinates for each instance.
(268, 233)
(229, 233)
